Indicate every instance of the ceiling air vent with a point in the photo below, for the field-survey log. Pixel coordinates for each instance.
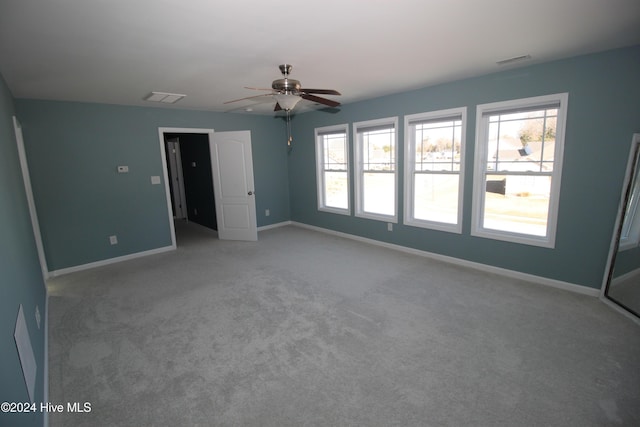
(514, 59)
(164, 97)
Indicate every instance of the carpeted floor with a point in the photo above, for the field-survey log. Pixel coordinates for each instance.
(306, 329)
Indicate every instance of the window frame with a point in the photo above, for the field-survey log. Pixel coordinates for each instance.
(320, 167)
(480, 167)
(459, 113)
(391, 122)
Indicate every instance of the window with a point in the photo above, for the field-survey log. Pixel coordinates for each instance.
(434, 152)
(519, 147)
(332, 167)
(376, 179)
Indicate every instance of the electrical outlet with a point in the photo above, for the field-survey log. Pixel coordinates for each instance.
(389, 226)
(267, 212)
(113, 240)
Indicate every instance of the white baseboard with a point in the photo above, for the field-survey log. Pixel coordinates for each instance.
(68, 270)
(478, 266)
(276, 225)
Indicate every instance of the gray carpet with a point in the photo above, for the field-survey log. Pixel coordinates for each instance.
(306, 329)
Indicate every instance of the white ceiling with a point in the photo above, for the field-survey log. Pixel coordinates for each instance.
(118, 51)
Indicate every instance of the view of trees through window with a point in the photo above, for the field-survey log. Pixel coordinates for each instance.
(516, 174)
(436, 173)
(519, 167)
(378, 152)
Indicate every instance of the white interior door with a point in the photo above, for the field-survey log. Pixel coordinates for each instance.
(232, 167)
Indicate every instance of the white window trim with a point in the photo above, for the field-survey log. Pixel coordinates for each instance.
(320, 169)
(549, 240)
(409, 169)
(359, 165)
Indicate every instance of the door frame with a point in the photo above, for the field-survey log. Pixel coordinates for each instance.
(165, 171)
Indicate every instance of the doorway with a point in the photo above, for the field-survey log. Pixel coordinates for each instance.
(191, 178)
(176, 188)
(230, 172)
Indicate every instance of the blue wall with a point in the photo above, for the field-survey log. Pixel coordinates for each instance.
(74, 149)
(20, 275)
(603, 113)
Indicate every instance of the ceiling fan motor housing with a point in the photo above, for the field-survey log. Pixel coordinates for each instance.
(286, 85)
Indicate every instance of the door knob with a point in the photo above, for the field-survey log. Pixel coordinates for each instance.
(250, 193)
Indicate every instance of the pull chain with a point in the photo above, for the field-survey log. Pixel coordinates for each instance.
(289, 130)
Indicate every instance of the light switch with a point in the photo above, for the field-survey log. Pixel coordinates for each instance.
(155, 180)
(123, 169)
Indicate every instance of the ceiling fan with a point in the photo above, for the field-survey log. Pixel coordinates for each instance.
(288, 92)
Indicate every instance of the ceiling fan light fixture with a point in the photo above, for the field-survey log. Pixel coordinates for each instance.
(288, 92)
(287, 100)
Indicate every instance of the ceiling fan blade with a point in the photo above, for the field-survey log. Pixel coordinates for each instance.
(248, 97)
(257, 88)
(277, 107)
(320, 100)
(321, 91)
